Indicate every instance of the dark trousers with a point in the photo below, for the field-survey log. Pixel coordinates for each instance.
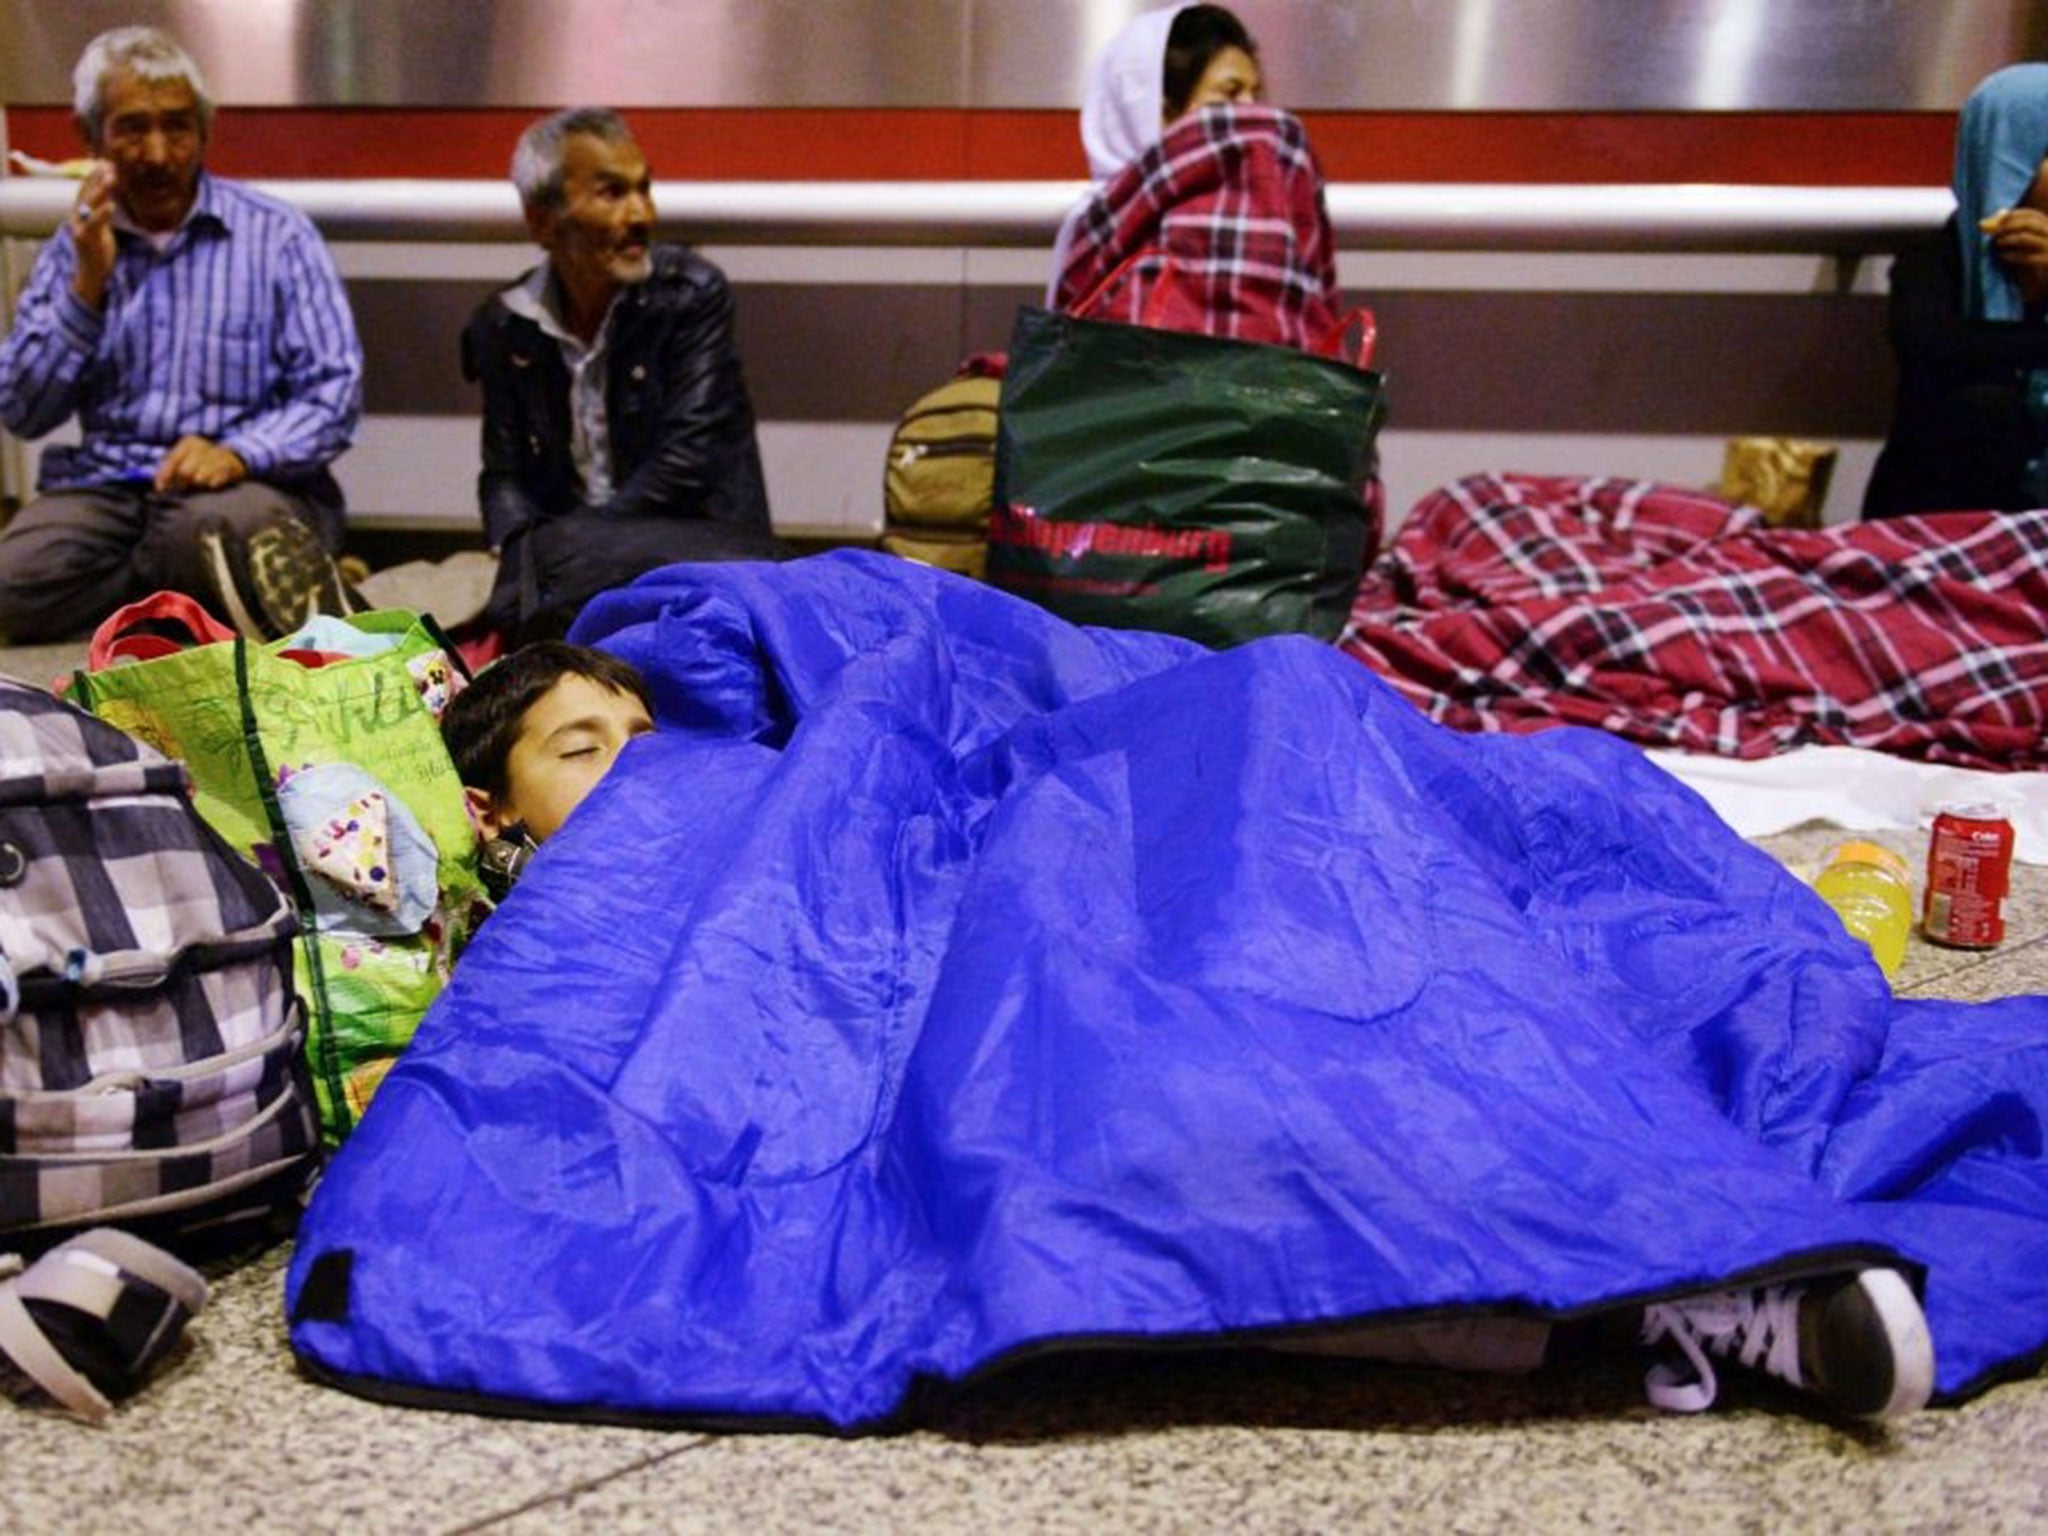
(70, 558)
(549, 570)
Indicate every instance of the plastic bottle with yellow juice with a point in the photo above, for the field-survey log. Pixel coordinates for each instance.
(1871, 890)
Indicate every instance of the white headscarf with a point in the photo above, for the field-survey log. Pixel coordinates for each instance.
(1120, 115)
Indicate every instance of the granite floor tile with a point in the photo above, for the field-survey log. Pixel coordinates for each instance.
(2007, 971)
(1294, 1446)
(42, 665)
(229, 1437)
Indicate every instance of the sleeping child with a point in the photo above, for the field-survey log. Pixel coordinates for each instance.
(532, 736)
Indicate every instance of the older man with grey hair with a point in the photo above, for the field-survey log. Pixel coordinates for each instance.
(617, 431)
(198, 332)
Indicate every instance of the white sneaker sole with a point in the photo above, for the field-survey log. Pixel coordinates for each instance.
(226, 590)
(1905, 1324)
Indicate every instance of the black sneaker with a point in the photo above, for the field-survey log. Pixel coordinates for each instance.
(1861, 1345)
(270, 582)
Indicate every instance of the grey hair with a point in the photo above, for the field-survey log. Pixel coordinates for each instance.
(537, 161)
(147, 54)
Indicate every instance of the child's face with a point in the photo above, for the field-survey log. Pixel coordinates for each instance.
(567, 740)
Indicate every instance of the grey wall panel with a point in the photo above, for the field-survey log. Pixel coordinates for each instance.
(1608, 363)
(1458, 361)
(1721, 364)
(411, 345)
(1867, 55)
(812, 353)
(845, 353)
(990, 313)
(829, 353)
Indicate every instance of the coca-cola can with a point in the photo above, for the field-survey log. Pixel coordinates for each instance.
(1969, 869)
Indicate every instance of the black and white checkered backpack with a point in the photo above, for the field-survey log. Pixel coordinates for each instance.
(152, 1072)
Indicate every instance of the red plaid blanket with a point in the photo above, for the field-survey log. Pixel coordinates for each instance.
(1512, 603)
(1219, 228)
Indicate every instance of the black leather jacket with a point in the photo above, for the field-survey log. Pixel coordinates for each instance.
(682, 426)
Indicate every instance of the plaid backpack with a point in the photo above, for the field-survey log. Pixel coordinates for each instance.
(151, 1047)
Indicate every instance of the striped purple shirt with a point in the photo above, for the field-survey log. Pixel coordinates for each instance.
(239, 332)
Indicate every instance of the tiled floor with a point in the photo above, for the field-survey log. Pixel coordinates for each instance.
(228, 1437)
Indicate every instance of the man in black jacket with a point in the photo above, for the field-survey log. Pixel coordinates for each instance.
(617, 431)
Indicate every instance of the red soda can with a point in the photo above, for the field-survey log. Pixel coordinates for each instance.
(1969, 868)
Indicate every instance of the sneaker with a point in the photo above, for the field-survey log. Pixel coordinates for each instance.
(270, 582)
(1861, 1345)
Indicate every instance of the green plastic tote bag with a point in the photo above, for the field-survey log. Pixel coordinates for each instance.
(1156, 479)
(333, 778)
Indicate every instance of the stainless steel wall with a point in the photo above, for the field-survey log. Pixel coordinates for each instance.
(1564, 55)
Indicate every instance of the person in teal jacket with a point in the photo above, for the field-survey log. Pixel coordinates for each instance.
(1969, 322)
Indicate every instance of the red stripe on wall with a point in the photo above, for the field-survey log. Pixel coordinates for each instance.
(759, 144)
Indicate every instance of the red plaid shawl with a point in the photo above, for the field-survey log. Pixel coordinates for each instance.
(1511, 603)
(1232, 198)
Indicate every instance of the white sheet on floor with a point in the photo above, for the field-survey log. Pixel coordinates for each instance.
(1859, 791)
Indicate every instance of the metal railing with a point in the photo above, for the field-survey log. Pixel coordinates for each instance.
(1833, 221)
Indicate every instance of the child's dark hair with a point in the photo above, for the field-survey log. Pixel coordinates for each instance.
(1197, 35)
(482, 722)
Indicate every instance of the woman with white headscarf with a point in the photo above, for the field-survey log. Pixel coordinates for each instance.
(1128, 106)
(1970, 431)
(1192, 174)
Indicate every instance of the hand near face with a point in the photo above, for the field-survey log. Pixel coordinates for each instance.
(2019, 239)
(198, 464)
(92, 234)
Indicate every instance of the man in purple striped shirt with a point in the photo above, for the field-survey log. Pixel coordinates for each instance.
(201, 336)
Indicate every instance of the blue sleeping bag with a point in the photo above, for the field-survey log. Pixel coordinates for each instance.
(943, 981)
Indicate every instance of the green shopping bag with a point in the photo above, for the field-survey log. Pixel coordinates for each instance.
(1153, 479)
(334, 779)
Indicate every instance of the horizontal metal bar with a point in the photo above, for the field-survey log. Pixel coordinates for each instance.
(1824, 220)
(1400, 216)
